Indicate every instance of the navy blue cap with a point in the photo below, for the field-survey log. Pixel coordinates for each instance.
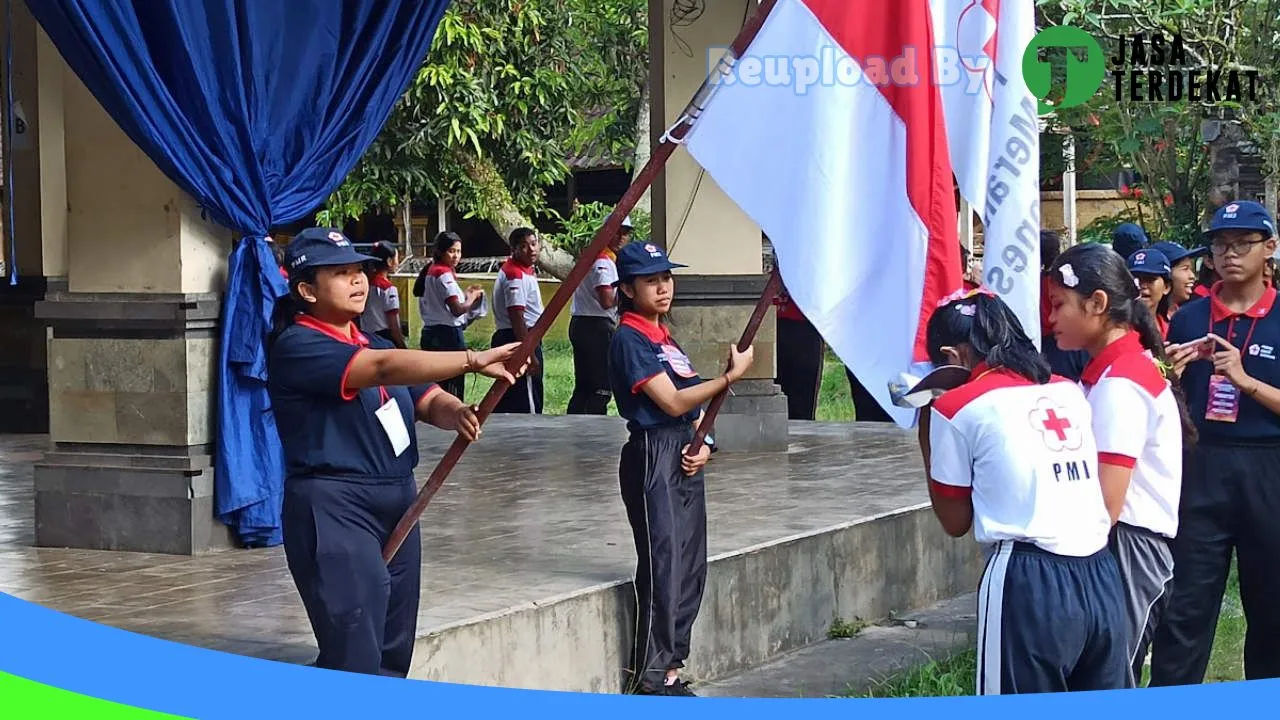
(321, 247)
(1242, 215)
(1149, 261)
(1177, 253)
(638, 259)
(1128, 238)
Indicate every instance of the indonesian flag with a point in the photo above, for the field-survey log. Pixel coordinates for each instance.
(994, 135)
(846, 168)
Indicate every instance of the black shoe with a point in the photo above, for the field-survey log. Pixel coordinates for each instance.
(680, 688)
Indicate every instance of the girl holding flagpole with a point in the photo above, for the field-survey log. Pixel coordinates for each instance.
(660, 395)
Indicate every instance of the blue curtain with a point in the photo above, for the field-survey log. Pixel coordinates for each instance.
(258, 109)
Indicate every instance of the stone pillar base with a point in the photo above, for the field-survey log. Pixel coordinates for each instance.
(753, 418)
(24, 386)
(135, 498)
(709, 315)
(131, 388)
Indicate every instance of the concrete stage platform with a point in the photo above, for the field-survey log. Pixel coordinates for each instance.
(528, 558)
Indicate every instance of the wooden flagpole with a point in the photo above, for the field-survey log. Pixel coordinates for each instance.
(661, 154)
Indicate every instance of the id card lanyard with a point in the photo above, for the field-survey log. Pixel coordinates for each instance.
(1223, 401)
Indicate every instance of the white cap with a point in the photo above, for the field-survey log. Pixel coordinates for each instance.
(626, 222)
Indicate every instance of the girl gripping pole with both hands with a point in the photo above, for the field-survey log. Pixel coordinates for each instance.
(1010, 453)
(1139, 419)
(345, 405)
(660, 395)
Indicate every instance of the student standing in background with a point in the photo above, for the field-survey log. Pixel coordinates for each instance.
(382, 312)
(800, 350)
(1226, 348)
(443, 305)
(594, 316)
(517, 305)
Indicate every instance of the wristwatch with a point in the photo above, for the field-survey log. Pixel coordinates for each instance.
(711, 443)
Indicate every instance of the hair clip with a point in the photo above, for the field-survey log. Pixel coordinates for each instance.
(967, 310)
(1069, 278)
(963, 294)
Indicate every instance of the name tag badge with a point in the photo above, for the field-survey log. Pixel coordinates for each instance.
(393, 425)
(1224, 400)
(678, 361)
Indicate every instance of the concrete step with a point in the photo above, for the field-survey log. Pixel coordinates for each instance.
(760, 603)
(852, 666)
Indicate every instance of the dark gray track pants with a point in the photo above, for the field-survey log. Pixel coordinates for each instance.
(668, 515)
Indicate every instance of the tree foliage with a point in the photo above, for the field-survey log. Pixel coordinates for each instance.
(501, 102)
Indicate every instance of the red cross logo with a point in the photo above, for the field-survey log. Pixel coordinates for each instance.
(1053, 423)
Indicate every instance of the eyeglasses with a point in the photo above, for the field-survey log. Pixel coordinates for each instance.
(1239, 247)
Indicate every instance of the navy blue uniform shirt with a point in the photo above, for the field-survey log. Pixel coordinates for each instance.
(1257, 334)
(639, 352)
(326, 431)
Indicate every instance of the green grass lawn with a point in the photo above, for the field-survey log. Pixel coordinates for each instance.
(957, 675)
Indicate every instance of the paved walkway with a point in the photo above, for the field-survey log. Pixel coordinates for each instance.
(531, 512)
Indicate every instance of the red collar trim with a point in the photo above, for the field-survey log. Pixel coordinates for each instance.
(979, 370)
(357, 338)
(513, 264)
(380, 281)
(438, 269)
(1220, 312)
(1130, 343)
(655, 332)
(1201, 291)
(608, 255)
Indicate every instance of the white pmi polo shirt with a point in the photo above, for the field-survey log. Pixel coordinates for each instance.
(516, 286)
(586, 303)
(1025, 454)
(381, 299)
(440, 285)
(1137, 425)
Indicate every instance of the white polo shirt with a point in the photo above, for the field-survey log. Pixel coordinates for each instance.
(383, 298)
(439, 285)
(1025, 454)
(516, 286)
(1137, 425)
(586, 303)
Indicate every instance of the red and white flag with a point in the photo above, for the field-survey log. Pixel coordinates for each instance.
(829, 133)
(994, 135)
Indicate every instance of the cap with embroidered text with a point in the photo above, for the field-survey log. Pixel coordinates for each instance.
(638, 259)
(1149, 262)
(1242, 215)
(321, 247)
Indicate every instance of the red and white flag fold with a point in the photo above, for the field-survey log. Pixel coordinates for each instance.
(829, 133)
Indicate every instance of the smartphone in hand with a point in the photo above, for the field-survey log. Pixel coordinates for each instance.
(1204, 347)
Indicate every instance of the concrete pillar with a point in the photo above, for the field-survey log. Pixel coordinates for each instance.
(701, 227)
(132, 350)
(24, 396)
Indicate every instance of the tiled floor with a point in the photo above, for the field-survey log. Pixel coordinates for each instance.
(531, 512)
